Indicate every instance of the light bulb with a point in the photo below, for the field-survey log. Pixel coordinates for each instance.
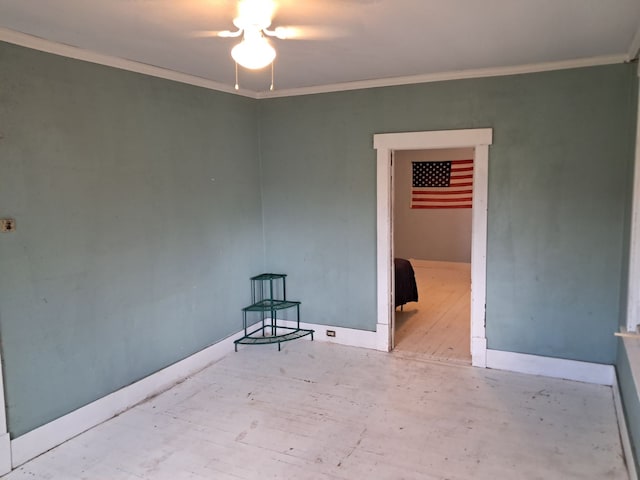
(253, 54)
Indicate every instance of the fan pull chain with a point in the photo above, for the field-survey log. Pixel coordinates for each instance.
(271, 87)
(237, 86)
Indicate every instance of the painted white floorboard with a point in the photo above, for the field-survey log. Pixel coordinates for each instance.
(438, 326)
(325, 411)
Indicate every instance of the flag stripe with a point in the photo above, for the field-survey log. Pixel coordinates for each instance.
(438, 200)
(455, 192)
(424, 207)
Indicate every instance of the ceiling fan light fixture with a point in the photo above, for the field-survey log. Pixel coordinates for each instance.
(253, 54)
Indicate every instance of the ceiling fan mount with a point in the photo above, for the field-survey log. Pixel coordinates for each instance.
(254, 17)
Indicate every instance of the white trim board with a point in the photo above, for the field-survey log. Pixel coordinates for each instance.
(446, 76)
(344, 336)
(44, 438)
(48, 436)
(552, 367)
(625, 438)
(633, 287)
(437, 139)
(41, 44)
(385, 144)
(632, 350)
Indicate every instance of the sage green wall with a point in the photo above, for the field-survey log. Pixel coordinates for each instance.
(138, 211)
(558, 191)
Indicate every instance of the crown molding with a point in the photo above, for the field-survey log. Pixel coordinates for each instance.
(453, 75)
(43, 45)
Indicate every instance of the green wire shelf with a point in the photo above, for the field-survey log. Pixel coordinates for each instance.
(268, 295)
(262, 336)
(268, 305)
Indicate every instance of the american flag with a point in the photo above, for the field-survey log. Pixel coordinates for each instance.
(442, 184)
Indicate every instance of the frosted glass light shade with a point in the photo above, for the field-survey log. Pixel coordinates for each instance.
(253, 54)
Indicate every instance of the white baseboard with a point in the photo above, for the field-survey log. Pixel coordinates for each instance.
(344, 336)
(551, 367)
(624, 432)
(44, 438)
(48, 436)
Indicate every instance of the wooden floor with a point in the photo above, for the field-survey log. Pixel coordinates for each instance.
(438, 326)
(324, 411)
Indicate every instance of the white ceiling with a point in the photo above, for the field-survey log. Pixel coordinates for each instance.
(381, 39)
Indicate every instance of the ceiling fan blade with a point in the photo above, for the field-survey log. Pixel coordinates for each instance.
(309, 32)
(215, 33)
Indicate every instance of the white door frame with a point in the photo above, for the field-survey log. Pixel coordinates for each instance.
(633, 287)
(385, 144)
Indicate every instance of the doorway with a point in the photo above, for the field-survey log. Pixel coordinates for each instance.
(432, 253)
(386, 144)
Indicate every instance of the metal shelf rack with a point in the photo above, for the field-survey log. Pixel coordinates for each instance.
(269, 299)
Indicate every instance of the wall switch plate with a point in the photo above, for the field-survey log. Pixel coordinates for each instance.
(331, 333)
(7, 225)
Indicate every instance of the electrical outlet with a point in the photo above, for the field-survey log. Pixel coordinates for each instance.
(7, 224)
(331, 333)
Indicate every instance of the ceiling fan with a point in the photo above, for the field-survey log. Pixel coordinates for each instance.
(253, 22)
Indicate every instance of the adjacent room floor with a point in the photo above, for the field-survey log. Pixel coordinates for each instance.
(438, 326)
(324, 411)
